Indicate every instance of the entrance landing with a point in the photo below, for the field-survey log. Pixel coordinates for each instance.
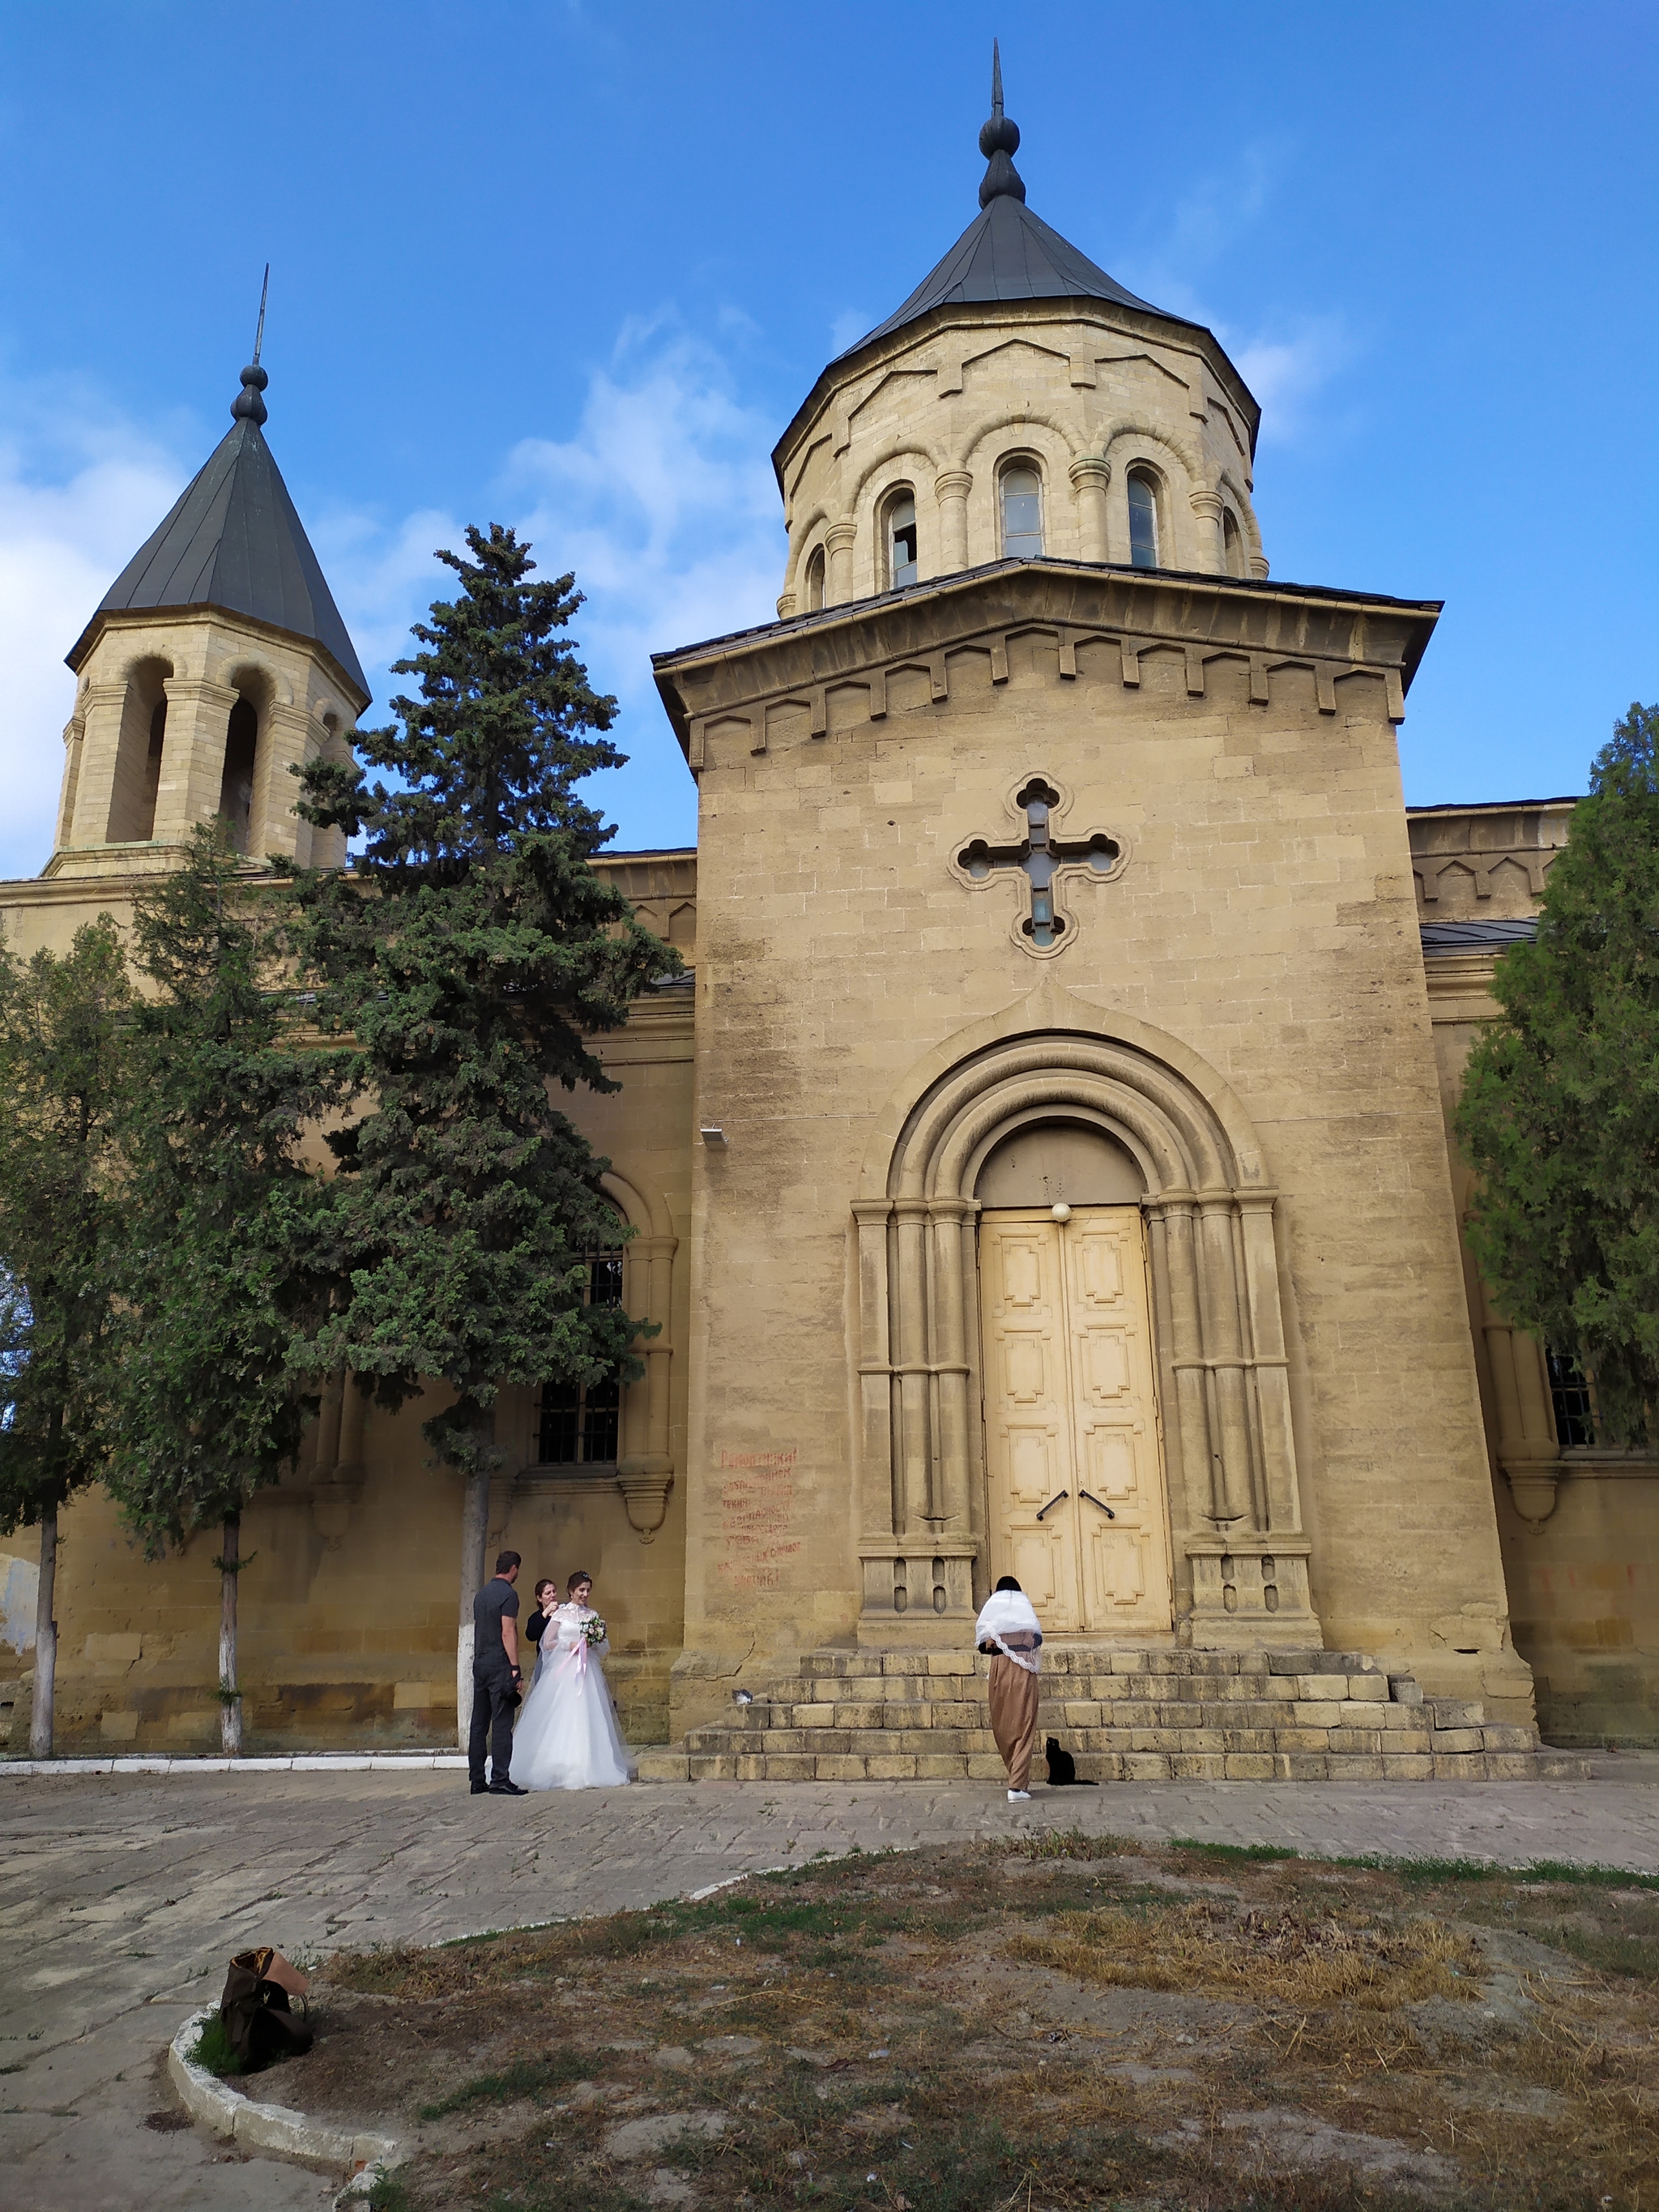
(1124, 1716)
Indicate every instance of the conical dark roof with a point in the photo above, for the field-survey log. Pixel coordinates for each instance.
(1007, 252)
(233, 539)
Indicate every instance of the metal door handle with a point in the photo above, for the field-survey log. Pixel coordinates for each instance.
(1055, 1501)
(1106, 1510)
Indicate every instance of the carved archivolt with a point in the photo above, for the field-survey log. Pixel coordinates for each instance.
(1222, 1362)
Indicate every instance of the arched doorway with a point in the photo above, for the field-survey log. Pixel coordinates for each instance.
(1076, 1504)
(1176, 1255)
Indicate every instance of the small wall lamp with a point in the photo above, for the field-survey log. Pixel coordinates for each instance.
(713, 1137)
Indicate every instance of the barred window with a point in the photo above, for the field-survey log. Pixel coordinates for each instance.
(580, 1420)
(1571, 1400)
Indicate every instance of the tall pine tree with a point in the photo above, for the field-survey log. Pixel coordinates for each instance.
(1560, 1114)
(219, 1270)
(470, 955)
(62, 1085)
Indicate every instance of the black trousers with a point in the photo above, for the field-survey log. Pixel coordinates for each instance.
(494, 1700)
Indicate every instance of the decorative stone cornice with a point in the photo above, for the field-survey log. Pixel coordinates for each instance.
(735, 681)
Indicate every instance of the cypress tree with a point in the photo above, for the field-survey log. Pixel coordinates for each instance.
(217, 1270)
(470, 954)
(62, 1085)
(1560, 1114)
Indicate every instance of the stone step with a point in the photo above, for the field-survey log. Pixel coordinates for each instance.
(1107, 1767)
(1124, 1715)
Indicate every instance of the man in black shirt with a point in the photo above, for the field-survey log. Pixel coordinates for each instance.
(495, 1678)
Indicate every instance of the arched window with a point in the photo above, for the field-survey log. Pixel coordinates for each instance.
(158, 731)
(1022, 513)
(236, 790)
(901, 540)
(1232, 543)
(581, 1422)
(1143, 521)
(815, 579)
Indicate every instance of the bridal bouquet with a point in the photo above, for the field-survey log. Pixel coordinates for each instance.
(593, 1631)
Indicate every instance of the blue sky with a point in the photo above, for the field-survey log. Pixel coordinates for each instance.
(574, 266)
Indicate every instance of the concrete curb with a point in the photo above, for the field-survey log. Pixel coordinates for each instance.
(270, 2128)
(319, 1762)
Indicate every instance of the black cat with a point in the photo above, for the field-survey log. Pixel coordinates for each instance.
(1062, 1770)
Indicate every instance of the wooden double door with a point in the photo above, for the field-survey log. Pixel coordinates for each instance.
(1077, 1509)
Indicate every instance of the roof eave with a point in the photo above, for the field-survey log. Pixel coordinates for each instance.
(138, 617)
(665, 665)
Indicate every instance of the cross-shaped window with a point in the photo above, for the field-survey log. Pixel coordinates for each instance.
(1040, 855)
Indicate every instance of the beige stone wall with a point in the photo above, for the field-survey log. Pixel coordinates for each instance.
(348, 1610)
(1083, 394)
(1240, 745)
(1579, 1527)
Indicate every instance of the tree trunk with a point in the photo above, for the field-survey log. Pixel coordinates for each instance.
(230, 1702)
(46, 1639)
(475, 1532)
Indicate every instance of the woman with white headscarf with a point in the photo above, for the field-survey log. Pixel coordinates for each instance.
(1008, 1631)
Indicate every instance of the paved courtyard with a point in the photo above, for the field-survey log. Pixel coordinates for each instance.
(121, 1897)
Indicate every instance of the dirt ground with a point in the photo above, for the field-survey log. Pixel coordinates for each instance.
(1057, 2021)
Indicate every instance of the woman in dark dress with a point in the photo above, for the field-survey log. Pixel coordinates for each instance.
(547, 1594)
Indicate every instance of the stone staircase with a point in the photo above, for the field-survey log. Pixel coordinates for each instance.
(1124, 1716)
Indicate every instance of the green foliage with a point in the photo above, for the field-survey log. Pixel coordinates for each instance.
(1560, 1109)
(212, 2050)
(62, 1062)
(468, 956)
(524, 2077)
(219, 1272)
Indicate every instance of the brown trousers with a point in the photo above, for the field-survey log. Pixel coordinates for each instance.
(1014, 1718)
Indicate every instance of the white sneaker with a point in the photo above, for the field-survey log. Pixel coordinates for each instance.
(1019, 1796)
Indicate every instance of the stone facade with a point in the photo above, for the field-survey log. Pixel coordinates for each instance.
(1578, 1523)
(1044, 1164)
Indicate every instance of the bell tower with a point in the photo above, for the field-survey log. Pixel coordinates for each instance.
(216, 662)
(1020, 403)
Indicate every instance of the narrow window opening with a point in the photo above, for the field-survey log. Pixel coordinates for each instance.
(1143, 523)
(580, 1421)
(1022, 515)
(815, 581)
(236, 790)
(1232, 543)
(901, 543)
(158, 731)
(1571, 1400)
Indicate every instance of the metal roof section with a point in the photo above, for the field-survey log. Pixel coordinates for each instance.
(234, 540)
(1006, 252)
(1444, 937)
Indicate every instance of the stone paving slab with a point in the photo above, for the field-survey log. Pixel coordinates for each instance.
(122, 1895)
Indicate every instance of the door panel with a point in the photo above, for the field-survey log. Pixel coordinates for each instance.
(1071, 1419)
(1125, 1559)
(1029, 1429)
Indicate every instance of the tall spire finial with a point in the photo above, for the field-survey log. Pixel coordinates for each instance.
(999, 141)
(247, 406)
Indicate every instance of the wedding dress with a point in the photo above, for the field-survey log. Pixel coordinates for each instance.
(567, 1737)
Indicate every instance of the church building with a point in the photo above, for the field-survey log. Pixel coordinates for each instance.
(1042, 1166)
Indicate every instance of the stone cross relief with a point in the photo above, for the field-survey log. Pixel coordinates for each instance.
(1040, 855)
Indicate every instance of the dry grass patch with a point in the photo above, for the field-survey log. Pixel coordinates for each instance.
(1064, 2021)
(1280, 1957)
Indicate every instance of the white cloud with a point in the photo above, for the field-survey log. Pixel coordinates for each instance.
(1287, 373)
(79, 491)
(847, 328)
(1286, 367)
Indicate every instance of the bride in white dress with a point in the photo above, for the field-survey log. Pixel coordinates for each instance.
(567, 1737)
